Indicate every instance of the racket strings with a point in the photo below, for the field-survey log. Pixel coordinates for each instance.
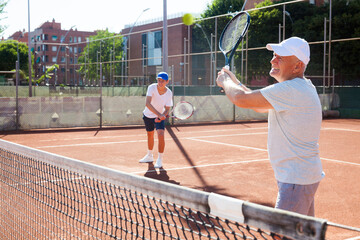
(183, 110)
(233, 32)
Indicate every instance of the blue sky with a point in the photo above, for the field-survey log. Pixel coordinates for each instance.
(90, 15)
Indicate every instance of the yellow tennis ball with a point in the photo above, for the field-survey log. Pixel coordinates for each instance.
(188, 19)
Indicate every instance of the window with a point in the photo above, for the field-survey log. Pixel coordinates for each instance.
(79, 39)
(79, 50)
(153, 48)
(46, 58)
(45, 37)
(62, 59)
(54, 37)
(54, 48)
(62, 48)
(71, 49)
(63, 70)
(75, 49)
(54, 59)
(62, 39)
(70, 39)
(158, 39)
(74, 39)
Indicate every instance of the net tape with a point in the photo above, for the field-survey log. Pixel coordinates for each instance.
(46, 196)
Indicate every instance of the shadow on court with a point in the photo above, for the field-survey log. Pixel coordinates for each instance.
(161, 175)
(205, 186)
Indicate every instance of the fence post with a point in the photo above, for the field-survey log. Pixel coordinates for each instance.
(17, 96)
(101, 79)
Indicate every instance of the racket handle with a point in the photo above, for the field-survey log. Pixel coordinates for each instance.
(227, 67)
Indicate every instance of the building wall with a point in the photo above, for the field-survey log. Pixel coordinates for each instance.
(177, 32)
(46, 42)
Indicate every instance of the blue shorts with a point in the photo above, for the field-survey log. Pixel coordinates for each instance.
(150, 124)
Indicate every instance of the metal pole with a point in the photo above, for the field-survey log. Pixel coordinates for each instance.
(165, 40)
(279, 32)
(329, 51)
(130, 36)
(184, 62)
(100, 95)
(284, 22)
(188, 55)
(29, 52)
(17, 95)
(246, 60)
(324, 57)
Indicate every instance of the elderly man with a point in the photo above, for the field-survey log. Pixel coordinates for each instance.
(294, 122)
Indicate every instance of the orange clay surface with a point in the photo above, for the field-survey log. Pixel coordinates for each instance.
(229, 159)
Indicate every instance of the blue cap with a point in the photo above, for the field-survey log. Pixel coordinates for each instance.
(163, 75)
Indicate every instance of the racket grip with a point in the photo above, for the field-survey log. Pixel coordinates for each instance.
(227, 67)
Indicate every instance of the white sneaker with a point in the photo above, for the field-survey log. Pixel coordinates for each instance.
(147, 159)
(158, 163)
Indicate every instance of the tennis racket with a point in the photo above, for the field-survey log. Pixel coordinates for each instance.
(232, 35)
(182, 110)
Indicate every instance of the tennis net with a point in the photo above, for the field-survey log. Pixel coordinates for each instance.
(47, 196)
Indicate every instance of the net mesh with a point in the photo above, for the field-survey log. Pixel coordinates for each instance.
(183, 110)
(233, 32)
(54, 199)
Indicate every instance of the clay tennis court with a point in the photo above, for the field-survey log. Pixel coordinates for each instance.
(229, 159)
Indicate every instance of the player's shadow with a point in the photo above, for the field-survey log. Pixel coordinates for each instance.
(161, 175)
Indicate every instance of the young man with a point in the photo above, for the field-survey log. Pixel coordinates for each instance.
(294, 123)
(157, 107)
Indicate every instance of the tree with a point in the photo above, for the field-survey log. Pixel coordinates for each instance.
(48, 74)
(304, 20)
(8, 55)
(2, 6)
(101, 49)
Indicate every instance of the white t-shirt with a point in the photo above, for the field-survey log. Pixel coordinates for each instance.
(158, 101)
(294, 130)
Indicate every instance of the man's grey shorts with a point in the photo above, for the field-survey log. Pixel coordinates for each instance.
(297, 198)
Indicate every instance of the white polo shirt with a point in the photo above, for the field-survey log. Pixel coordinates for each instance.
(294, 130)
(158, 101)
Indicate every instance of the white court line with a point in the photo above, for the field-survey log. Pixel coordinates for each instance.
(205, 165)
(90, 144)
(354, 238)
(121, 136)
(228, 144)
(135, 141)
(66, 139)
(341, 129)
(339, 161)
(228, 135)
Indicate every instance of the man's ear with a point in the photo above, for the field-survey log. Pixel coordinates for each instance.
(299, 66)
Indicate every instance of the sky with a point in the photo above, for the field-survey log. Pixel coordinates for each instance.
(91, 15)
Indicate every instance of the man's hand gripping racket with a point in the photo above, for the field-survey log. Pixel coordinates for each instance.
(232, 35)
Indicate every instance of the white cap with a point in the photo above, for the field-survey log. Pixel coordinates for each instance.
(293, 46)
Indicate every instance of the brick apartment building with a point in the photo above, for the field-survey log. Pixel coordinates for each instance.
(48, 43)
